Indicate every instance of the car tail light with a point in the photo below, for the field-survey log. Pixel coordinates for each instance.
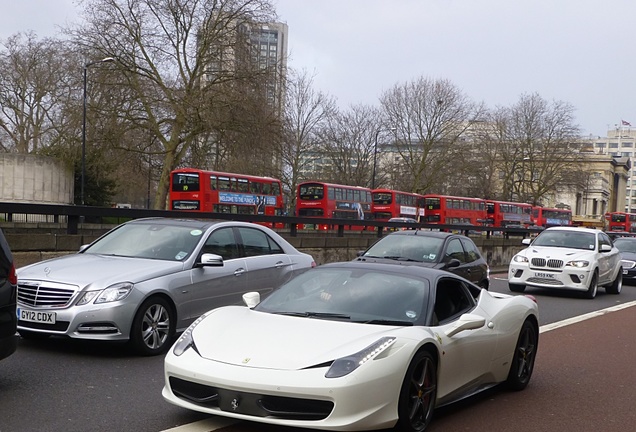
(531, 297)
(313, 264)
(13, 277)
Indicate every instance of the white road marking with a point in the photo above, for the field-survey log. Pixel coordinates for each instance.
(579, 318)
(207, 425)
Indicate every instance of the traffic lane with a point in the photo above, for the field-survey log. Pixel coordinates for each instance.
(61, 384)
(583, 381)
(556, 305)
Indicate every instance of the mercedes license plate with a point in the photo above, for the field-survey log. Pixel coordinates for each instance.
(35, 316)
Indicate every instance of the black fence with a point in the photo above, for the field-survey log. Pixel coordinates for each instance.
(74, 216)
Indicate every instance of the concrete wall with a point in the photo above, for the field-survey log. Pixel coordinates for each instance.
(36, 246)
(29, 178)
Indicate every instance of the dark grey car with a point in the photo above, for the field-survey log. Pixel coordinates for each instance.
(627, 248)
(8, 281)
(446, 251)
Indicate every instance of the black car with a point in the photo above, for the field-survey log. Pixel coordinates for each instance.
(8, 282)
(442, 250)
(627, 247)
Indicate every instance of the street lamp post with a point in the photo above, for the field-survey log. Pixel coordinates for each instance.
(375, 155)
(86, 66)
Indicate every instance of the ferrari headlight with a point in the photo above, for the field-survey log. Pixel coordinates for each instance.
(186, 340)
(578, 263)
(345, 365)
(520, 259)
(113, 293)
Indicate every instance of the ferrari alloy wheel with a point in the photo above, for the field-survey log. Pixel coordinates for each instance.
(523, 359)
(617, 284)
(153, 327)
(418, 394)
(593, 288)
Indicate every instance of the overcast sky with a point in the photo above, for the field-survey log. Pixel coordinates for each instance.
(577, 51)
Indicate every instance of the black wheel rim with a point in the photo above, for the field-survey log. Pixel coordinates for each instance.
(421, 395)
(526, 351)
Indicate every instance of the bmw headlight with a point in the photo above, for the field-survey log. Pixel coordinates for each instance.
(345, 365)
(113, 293)
(186, 341)
(578, 263)
(520, 259)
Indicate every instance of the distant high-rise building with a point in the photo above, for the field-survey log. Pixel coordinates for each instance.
(254, 47)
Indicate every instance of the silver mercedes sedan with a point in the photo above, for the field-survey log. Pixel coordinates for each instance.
(148, 279)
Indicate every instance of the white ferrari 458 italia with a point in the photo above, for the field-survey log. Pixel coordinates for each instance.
(354, 346)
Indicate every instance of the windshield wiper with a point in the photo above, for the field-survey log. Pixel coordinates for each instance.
(400, 258)
(316, 315)
(388, 322)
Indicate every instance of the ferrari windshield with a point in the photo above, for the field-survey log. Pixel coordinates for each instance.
(359, 295)
(566, 239)
(408, 248)
(148, 240)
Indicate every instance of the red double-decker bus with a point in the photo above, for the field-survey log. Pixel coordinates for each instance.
(509, 214)
(452, 210)
(547, 217)
(333, 201)
(388, 203)
(621, 221)
(220, 192)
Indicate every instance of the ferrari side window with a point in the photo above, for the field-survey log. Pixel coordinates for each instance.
(451, 300)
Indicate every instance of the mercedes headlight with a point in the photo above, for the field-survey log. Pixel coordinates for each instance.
(113, 293)
(345, 365)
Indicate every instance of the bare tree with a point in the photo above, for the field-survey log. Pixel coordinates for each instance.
(171, 55)
(429, 117)
(539, 145)
(30, 91)
(348, 143)
(306, 112)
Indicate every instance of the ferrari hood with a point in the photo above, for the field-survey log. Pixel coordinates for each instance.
(98, 270)
(240, 336)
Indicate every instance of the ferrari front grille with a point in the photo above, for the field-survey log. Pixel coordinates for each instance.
(254, 404)
(542, 262)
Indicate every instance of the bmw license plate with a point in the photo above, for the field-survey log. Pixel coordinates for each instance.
(544, 275)
(35, 316)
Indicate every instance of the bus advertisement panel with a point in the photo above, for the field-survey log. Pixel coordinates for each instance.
(389, 204)
(220, 192)
(333, 201)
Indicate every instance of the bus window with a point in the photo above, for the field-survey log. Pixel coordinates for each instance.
(267, 188)
(213, 182)
(224, 184)
(242, 185)
(185, 182)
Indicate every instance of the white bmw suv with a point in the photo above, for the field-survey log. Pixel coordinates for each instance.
(579, 259)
